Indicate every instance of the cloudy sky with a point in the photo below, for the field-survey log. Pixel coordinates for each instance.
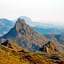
(51, 11)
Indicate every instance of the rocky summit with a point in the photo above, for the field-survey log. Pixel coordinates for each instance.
(25, 36)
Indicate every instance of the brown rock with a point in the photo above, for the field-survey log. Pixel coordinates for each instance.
(49, 48)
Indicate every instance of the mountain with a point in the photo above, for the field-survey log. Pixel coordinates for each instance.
(25, 36)
(5, 26)
(49, 48)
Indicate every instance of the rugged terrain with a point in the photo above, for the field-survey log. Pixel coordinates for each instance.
(23, 45)
(17, 55)
(49, 48)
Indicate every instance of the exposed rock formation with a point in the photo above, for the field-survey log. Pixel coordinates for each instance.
(25, 36)
(49, 48)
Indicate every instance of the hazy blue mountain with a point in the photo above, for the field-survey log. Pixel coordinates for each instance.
(5, 26)
(55, 31)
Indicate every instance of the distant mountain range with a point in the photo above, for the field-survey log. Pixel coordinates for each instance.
(58, 38)
(5, 26)
(44, 31)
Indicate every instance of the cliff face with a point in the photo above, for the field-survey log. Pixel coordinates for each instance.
(25, 36)
(49, 48)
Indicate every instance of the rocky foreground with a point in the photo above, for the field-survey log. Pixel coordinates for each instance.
(11, 53)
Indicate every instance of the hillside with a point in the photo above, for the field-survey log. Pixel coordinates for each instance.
(11, 45)
(12, 56)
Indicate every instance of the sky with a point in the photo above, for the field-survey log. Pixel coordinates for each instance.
(47, 11)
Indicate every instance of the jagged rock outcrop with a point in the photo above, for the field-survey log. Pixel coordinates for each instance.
(49, 48)
(25, 36)
(10, 44)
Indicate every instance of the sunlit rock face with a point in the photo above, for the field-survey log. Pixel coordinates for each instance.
(49, 48)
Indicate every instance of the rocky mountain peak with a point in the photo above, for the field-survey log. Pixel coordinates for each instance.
(25, 36)
(20, 21)
(20, 24)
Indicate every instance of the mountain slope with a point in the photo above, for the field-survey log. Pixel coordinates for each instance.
(11, 56)
(10, 44)
(25, 36)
